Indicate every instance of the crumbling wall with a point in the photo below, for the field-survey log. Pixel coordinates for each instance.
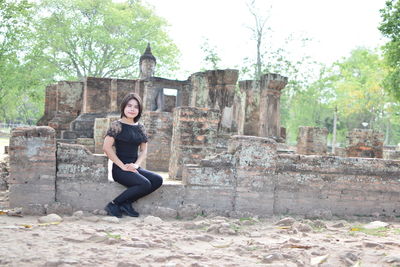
(159, 130)
(251, 90)
(82, 178)
(215, 89)
(365, 143)
(345, 186)
(312, 140)
(250, 178)
(194, 132)
(153, 97)
(101, 126)
(32, 166)
(271, 85)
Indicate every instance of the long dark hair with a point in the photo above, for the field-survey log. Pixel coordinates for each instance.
(125, 101)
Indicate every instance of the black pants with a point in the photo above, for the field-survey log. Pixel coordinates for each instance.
(139, 184)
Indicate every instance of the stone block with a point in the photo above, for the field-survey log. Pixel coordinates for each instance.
(194, 132)
(21, 195)
(32, 166)
(169, 195)
(364, 143)
(312, 141)
(76, 163)
(87, 195)
(256, 203)
(206, 176)
(159, 130)
(210, 198)
(260, 155)
(97, 95)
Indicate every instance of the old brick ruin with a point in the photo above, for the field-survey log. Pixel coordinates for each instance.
(222, 146)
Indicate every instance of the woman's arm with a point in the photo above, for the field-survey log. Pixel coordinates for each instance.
(108, 149)
(143, 153)
(142, 156)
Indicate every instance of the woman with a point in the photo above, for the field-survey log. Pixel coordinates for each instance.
(128, 135)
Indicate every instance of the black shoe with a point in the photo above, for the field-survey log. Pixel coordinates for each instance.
(113, 210)
(127, 208)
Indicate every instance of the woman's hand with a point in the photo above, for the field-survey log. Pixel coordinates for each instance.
(131, 167)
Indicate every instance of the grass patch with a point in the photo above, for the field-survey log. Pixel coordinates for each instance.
(115, 236)
(381, 231)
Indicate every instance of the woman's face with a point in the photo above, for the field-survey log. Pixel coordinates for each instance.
(131, 109)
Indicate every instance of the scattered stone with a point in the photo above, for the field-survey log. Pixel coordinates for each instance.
(349, 258)
(98, 238)
(319, 224)
(294, 240)
(338, 225)
(88, 231)
(205, 238)
(392, 259)
(152, 220)
(370, 244)
(137, 244)
(78, 214)
(375, 225)
(127, 264)
(288, 221)
(101, 212)
(51, 218)
(213, 228)
(227, 231)
(316, 261)
(110, 219)
(272, 257)
(15, 212)
(302, 227)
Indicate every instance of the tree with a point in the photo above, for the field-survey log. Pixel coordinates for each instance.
(19, 83)
(390, 28)
(211, 58)
(101, 38)
(259, 31)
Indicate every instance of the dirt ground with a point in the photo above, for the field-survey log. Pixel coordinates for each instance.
(95, 240)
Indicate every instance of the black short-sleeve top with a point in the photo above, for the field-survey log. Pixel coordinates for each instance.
(127, 139)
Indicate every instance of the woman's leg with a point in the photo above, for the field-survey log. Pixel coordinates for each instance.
(138, 186)
(154, 178)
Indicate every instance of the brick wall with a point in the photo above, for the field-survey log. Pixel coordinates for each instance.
(364, 143)
(312, 140)
(32, 166)
(159, 129)
(194, 133)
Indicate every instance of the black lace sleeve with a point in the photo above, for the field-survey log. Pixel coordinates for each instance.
(115, 129)
(143, 133)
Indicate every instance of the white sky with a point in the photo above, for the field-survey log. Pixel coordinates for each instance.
(336, 27)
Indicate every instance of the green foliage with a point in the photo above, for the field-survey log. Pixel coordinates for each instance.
(390, 28)
(101, 38)
(355, 86)
(211, 57)
(62, 39)
(22, 77)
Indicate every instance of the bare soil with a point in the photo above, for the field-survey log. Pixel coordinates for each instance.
(95, 240)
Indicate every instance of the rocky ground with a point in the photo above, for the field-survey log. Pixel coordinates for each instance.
(96, 240)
